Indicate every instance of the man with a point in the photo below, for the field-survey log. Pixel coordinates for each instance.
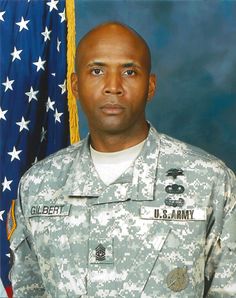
(127, 212)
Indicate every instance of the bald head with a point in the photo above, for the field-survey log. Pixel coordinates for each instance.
(113, 84)
(118, 34)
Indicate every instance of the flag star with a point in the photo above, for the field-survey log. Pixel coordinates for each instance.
(2, 114)
(8, 84)
(58, 44)
(23, 124)
(43, 135)
(57, 116)
(40, 64)
(1, 15)
(32, 94)
(23, 24)
(8, 255)
(52, 5)
(46, 34)
(63, 87)
(1, 213)
(16, 54)
(63, 16)
(14, 154)
(6, 184)
(50, 104)
(53, 74)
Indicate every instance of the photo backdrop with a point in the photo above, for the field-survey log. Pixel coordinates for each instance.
(193, 45)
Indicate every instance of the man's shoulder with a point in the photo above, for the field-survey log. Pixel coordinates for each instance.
(187, 153)
(58, 161)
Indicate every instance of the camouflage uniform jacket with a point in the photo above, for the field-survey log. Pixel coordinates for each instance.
(165, 228)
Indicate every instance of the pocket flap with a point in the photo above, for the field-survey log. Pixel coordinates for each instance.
(143, 265)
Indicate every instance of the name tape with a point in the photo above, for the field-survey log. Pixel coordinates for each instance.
(49, 210)
(162, 213)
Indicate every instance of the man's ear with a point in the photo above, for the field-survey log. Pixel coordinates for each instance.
(74, 85)
(151, 86)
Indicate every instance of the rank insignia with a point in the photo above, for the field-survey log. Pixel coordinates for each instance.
(174, 173)
(11, 220)
(100, 253)
(174, 203)
(177, 280)
(174, 189)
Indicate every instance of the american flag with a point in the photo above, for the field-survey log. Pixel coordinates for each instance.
(34, 120)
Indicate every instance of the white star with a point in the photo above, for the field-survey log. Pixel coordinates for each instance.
(1, 15)
(63, 87)
(23, 24)
(23, 124)
(39, 64)
(8, 255)
(1, 213)
(6, 184)
(43, 135)
(32, 94)
(8, 84)
(16, 54)
(52, 5)
(2, 114)
(46, 34)
(57, 116)
(53, 74)
(14, 154)
(50, 104)
(58, 44)
(63, 16)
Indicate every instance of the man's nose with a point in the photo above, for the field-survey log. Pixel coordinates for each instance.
(113, 84)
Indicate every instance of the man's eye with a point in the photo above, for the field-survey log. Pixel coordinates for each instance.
(129, 72)
(97, 71)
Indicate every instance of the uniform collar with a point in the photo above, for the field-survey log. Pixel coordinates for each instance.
(139, 181)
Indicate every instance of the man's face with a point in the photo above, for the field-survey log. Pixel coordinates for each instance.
(113, 82)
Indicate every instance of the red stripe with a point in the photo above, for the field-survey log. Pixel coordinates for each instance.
(9, 291)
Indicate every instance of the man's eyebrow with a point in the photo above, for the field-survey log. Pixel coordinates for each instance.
(96, 63)
(131, 64)
(126, 64)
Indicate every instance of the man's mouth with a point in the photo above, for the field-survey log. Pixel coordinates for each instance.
(112, 109)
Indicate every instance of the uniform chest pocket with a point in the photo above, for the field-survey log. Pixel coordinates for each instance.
(62, 270)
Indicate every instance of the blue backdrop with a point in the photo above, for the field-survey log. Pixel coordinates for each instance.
(193, 45)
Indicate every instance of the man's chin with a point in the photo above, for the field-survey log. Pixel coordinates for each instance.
(113, 127)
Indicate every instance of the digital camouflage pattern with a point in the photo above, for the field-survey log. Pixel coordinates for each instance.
(165, 228)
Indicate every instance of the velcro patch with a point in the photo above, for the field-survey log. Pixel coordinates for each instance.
(101, 251)
(49, 210)
(166, 213)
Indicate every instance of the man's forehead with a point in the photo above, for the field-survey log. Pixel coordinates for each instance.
(110, 36)
(113, 39)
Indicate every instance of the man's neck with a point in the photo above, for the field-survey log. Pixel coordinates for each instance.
(107, 142)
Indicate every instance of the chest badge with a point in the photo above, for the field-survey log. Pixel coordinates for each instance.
(177, 280)
(174, 203)
(100, 253)
(174, 189)
(174, 173)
